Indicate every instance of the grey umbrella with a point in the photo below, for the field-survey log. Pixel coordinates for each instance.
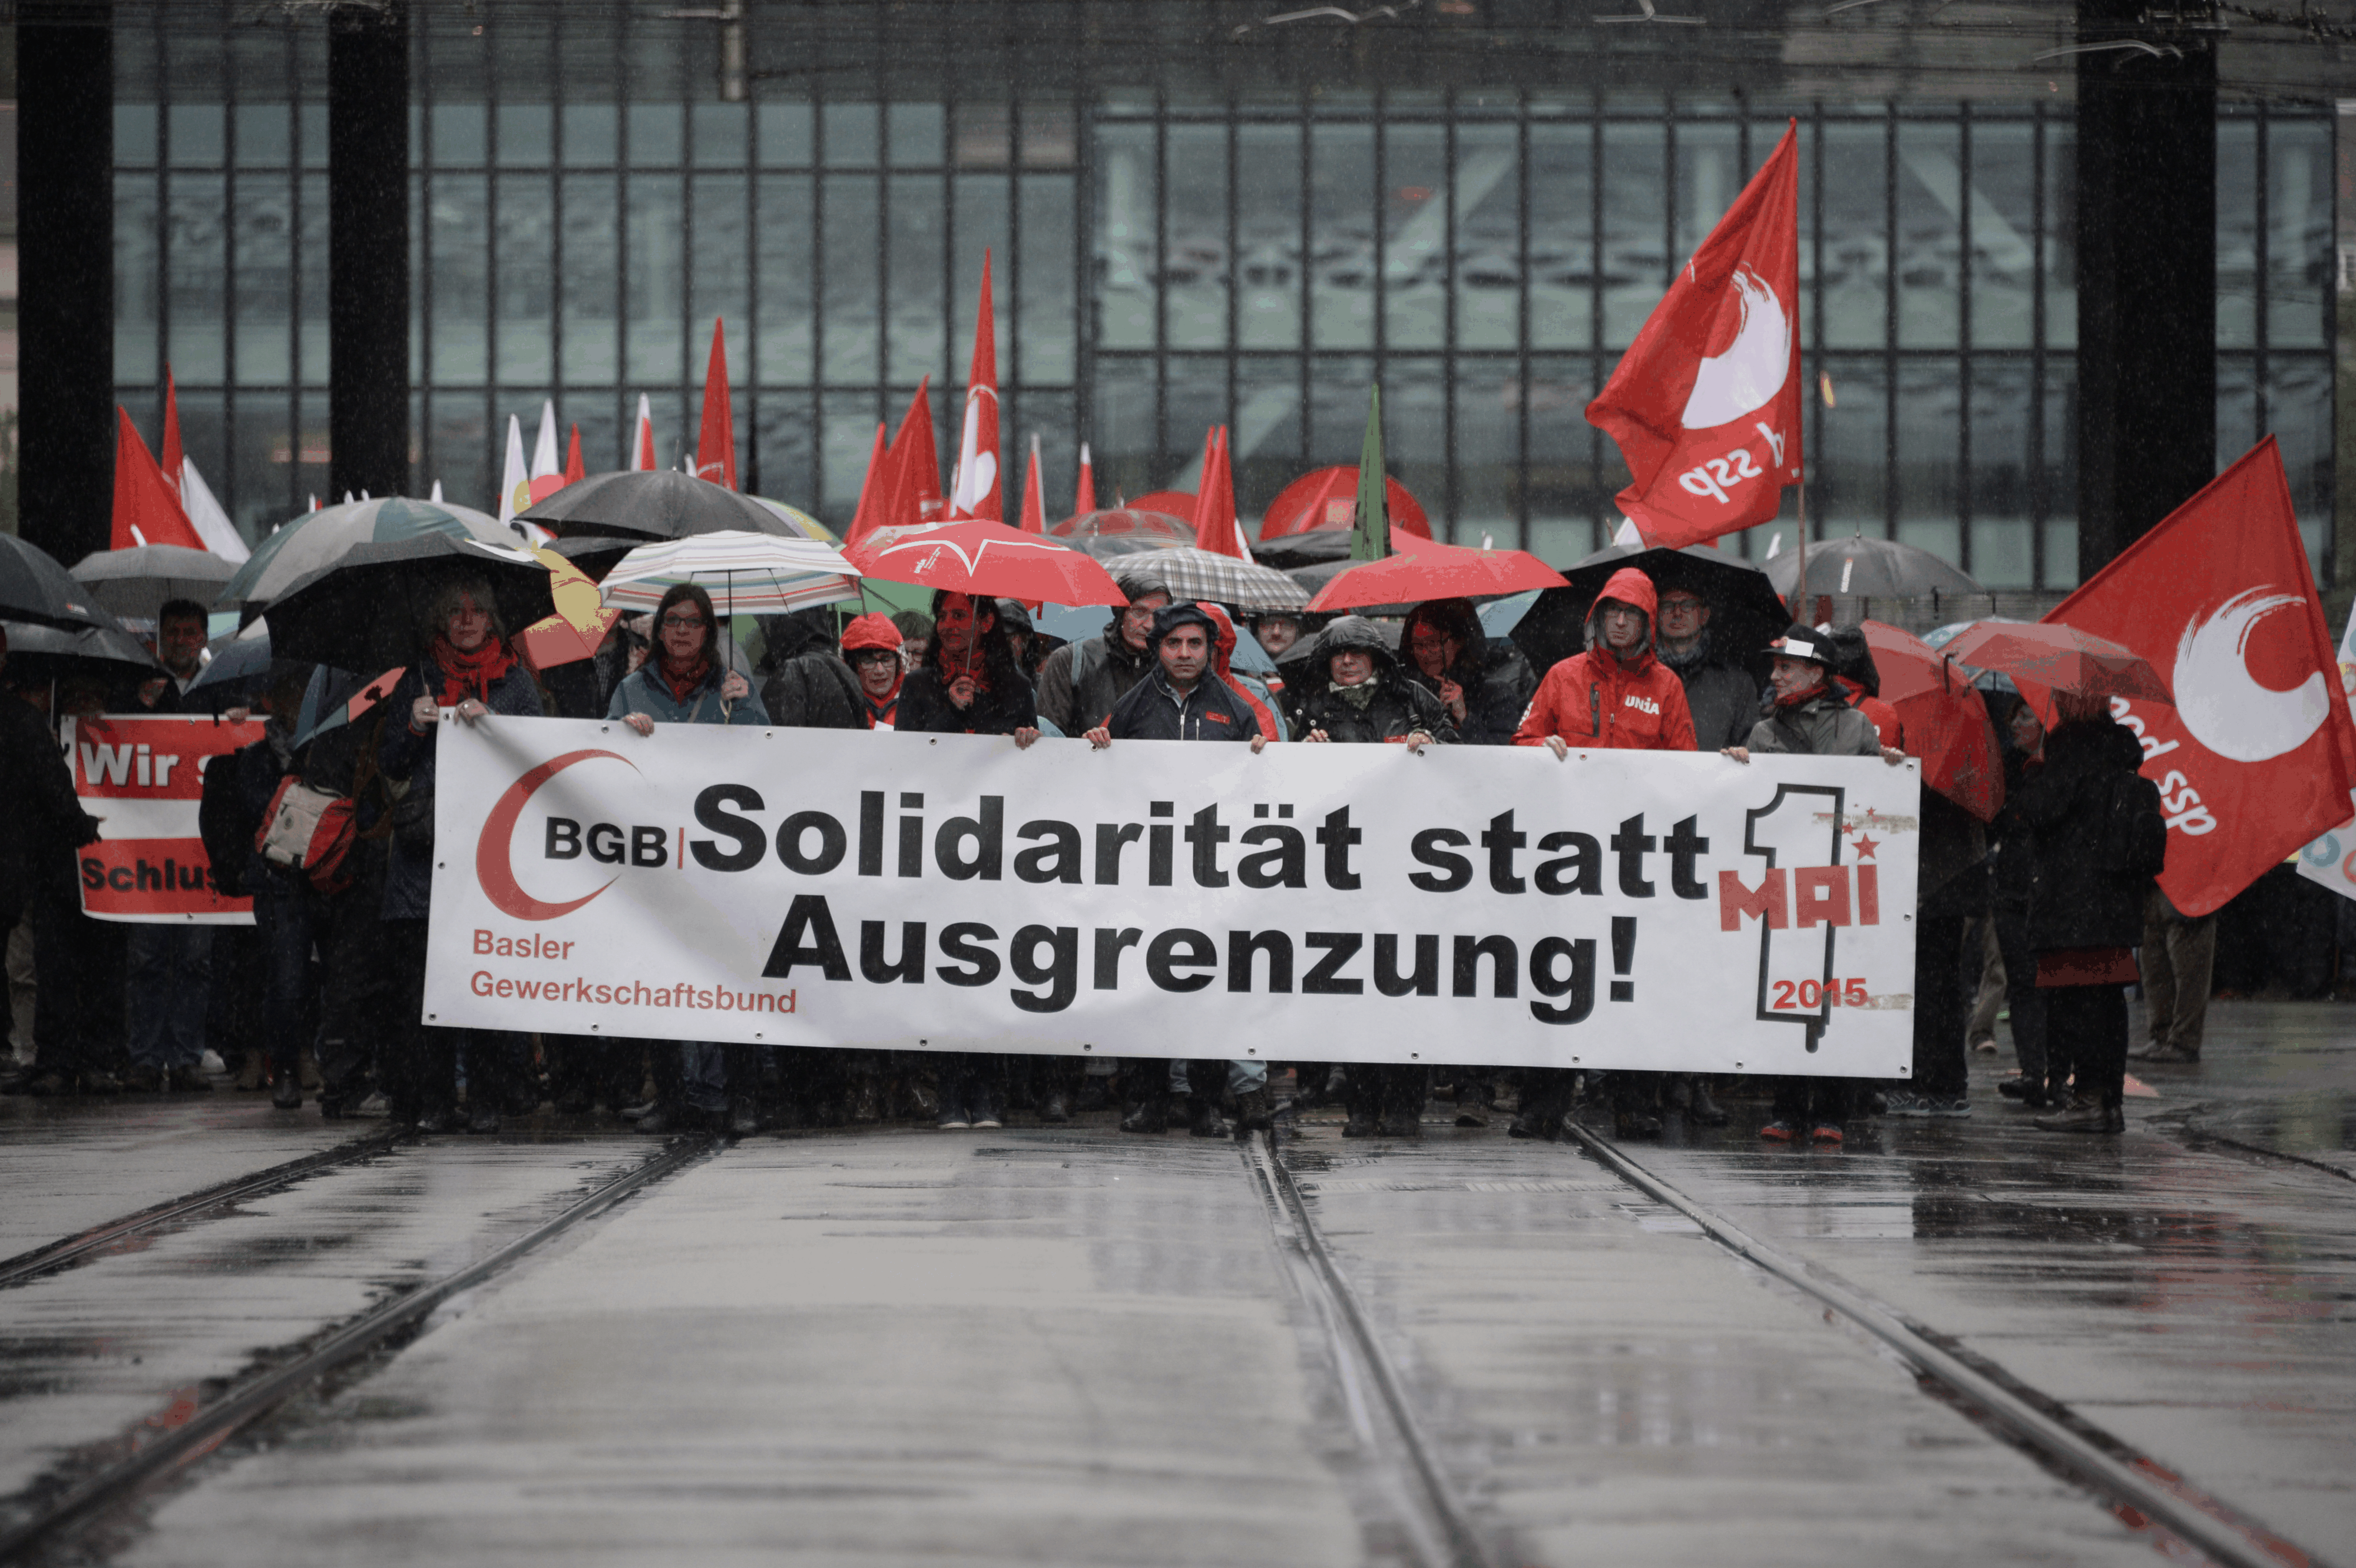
(318, 540)
(34, 588)
(107, 652)
(1868, 569)
(655, 503)
(140, 581)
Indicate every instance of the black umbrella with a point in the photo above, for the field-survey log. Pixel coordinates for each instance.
(653, 503)
(1870, 569)
(1746, 614)
(1303, 549)
(368, 612)
(34, 588)
(236, 666)
(596, 553)
(52, 653)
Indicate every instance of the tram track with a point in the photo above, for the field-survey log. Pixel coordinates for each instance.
(2130, 1483)
(119, 1483)
(68, 1250)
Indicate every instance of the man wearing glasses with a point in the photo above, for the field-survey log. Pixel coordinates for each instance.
(1081, 681)
(1724, 701)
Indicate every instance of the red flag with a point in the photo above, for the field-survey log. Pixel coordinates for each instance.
(575, 469)
(642, 439)
(1084, 499)
(2258, 755)
(171, 459)
(715, 442)
(874, 493)
(146, 511)
(1706, 402)
(1215, 528)
(1034, 499)
(917, 459)
(978, 492)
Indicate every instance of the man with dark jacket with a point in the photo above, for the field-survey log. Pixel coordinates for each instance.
(1081, 681)
(1723, 700)
(1183, 699)
(1354, 692)
(809, 686)
(43, 825)
(1808, 715)
(2098, 842)
(1484, 684)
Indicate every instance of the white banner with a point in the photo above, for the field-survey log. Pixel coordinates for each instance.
(1342, 903)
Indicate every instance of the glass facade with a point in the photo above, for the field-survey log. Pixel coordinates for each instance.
(1162, 260)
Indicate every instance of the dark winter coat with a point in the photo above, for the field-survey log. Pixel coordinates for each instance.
(1496, 678)
(2075, 902)
(405, 760)
(2012, 843)
(1395, 708)
(808, 685)
(925, 707)
(1154, 710)
(43, 819)
(237, 790)
(1824, 726)
(1081, 681)
(1723, 700)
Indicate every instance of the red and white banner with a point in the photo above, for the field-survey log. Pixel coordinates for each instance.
(2258, 755)
(1704, 405)
(144, 777)
(1679, 911)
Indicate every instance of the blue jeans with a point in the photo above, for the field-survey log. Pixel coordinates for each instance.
(170, 981)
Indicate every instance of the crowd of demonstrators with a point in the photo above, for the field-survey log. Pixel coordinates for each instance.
(2058, 890)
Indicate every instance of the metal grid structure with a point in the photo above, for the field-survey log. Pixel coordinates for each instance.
(580, 248)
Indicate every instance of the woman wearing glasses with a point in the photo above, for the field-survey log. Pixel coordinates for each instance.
(684, 681)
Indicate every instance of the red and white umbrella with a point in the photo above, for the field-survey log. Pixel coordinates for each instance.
(988, 559)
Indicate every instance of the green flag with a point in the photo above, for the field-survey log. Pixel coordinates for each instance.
(1370, 530)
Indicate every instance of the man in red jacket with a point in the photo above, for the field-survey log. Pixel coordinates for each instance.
(1617, 696)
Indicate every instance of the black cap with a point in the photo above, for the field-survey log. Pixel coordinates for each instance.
(1186, 612)
(1803, 643)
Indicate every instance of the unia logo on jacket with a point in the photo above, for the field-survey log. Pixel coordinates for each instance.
(1643, 704)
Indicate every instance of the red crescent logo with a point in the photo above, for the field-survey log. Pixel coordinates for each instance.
(493, 866)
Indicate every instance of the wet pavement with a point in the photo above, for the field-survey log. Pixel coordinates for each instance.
(900, 1345)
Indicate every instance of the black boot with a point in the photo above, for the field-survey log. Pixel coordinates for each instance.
(1702, 1108)
(1254, 1110)
(1150, 1114)
(286, 1095)
(1203, 1118)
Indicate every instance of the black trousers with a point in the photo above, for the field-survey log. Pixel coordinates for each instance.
(79, 1012)
(1381, 1089)
(1803, 1101)
(420, 1061)
(2087, 1027)
(1941, 1005)
(2021, 994)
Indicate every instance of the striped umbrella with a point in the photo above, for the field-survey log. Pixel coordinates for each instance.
(747, 574)
(1194, 573)
(318, 540)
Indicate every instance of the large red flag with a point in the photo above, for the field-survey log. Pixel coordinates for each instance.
(917, 459)
(874, 493)
(715, 442)
(2257, 756)
(146, 510)
(978, 492)
(1706, 402)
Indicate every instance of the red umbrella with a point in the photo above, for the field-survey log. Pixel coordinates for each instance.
(986, 558)
(2060, 658)
(1425, 569)
(1944, 717)
(1326, 498)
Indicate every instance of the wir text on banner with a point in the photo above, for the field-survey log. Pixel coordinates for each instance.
(823, 887)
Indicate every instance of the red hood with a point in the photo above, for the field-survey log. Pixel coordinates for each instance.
(1630, 586)
(1223, 643)
(870, 630)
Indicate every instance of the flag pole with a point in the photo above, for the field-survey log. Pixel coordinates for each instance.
(1800, 600)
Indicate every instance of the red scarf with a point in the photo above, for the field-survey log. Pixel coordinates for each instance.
(682, 686)
(1822, 688)
(466, 674)
(885, 711)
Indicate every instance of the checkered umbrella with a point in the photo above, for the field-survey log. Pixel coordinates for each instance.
(1194, 573)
